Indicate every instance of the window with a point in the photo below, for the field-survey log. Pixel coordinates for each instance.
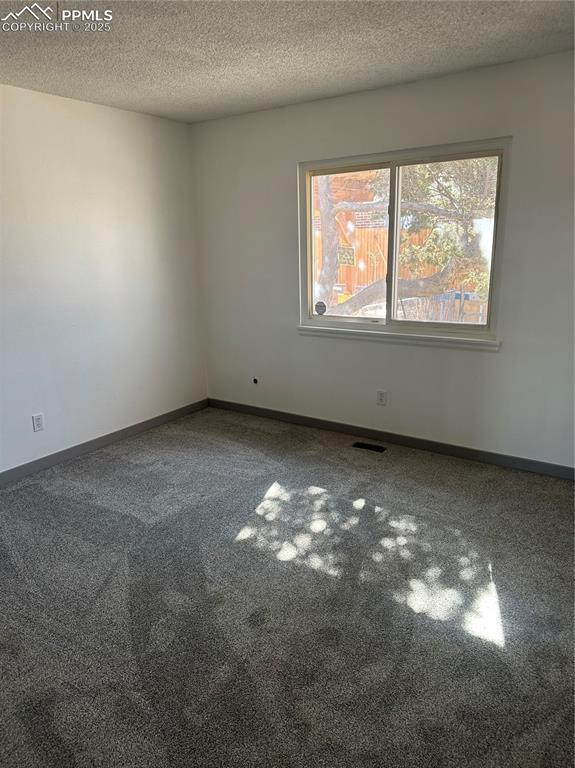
(403, 244)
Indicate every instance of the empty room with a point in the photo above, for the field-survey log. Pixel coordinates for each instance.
(286, 384)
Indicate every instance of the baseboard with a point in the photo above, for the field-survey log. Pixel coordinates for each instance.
(512, 462)
(17, 473)
(487, 457)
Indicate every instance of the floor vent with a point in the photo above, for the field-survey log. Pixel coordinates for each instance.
(370, 447)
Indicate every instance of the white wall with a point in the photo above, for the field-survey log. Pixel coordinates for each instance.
(516, 401)
(101, 317)
(99, 297)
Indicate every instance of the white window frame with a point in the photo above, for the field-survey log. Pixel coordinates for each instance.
(389, 329)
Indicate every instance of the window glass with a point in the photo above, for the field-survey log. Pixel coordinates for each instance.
(445, 240)
(349, 241)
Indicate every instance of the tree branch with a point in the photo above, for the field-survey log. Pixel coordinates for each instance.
(377, 291)
(371, 294)
(383, 206)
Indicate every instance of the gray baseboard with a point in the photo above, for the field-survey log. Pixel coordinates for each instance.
(512, 462)
(17, 473)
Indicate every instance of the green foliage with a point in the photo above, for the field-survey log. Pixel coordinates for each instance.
(465, 188)
(476, 277)
(442, 199)
(436, 250)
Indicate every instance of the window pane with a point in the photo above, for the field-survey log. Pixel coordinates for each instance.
(446, 222)
(349, 243)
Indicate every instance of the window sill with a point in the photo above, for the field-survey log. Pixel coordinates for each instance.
(489, 343)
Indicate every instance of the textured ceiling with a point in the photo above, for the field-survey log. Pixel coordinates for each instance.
(197, 60)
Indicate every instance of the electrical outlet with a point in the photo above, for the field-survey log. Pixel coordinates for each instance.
(381, 397)
(38, 422)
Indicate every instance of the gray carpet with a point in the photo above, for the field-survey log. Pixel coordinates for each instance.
(231, 591)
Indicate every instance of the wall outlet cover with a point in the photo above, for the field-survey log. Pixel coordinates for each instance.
(381, 397)
(38, 422)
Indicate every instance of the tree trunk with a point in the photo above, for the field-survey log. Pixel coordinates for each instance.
(329, 241)
(376, 292)
(371, 294)
(439, 282)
